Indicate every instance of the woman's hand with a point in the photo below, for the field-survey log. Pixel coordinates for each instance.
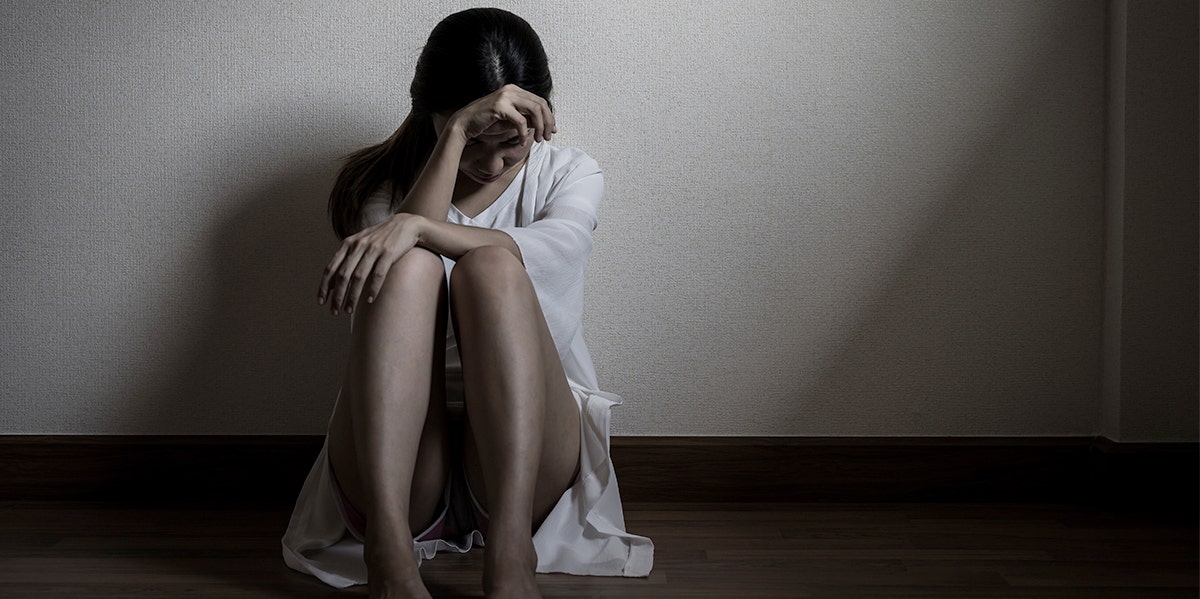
(509, 104)
(367, 256)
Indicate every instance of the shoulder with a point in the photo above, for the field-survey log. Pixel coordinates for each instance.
(565, 183)
(558, 164)
(377, 207)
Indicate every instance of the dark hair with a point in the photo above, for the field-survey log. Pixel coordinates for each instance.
(469, 54)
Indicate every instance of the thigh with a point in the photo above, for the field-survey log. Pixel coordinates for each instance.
(432, 465)
(430, 471)
(559, 462)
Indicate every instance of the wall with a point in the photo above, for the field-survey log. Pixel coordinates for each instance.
(823, 218)
(1152, 325)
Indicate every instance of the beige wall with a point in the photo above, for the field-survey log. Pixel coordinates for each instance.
(823, 218)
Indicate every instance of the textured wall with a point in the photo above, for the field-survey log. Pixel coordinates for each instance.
(823, 218)
(1159, 325)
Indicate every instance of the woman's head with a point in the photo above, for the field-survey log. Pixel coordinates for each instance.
(468, 55)
(473, 53)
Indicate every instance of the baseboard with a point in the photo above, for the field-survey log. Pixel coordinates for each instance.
(678, 469)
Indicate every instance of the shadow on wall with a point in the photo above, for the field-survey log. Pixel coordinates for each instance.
(257, 355)
(997, 299)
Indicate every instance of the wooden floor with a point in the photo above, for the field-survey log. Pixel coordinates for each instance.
(71, 549)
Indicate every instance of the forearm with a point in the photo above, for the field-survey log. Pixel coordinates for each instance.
(453, 240)
(433, 190)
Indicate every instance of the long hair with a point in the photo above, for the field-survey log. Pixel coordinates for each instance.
(469, 54)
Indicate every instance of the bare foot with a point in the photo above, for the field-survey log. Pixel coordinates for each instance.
(397, 589)
(509, 568)
(392, 573)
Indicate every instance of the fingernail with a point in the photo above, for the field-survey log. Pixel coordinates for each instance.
(335, 312)
(371, 299)
(349, 309)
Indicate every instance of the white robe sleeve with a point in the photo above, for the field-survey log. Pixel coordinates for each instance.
(555, 248)
(377, 208)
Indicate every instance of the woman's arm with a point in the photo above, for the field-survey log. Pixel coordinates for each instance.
(453, 240)
(430, 196)
(433, 190)
(370, 253)
(374, 249)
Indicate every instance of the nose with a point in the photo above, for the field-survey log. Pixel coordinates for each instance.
(491, 165)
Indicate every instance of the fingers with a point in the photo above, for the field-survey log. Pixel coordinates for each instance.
(542, 117)
(341, 282)
(537, 120)
(359, 278)
(338, 276)
(518, 120)
(331, 270)
(547, 118)
(534, 111)
(378, 274)
(512, 105)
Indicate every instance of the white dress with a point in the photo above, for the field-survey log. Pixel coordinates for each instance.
(550, 212)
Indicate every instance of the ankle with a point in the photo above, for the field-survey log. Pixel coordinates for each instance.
(388, 550)
(511, 552)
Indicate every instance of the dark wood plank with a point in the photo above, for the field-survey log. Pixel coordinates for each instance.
(57, 549)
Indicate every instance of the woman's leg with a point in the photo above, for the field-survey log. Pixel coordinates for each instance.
(388, 439)
(521, 444)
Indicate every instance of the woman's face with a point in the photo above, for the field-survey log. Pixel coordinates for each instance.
(489, 156)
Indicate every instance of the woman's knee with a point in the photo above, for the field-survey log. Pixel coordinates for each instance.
(489, 270)
(415, 279)
(418, 266)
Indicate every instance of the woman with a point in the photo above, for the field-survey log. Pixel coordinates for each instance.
(465, 240)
